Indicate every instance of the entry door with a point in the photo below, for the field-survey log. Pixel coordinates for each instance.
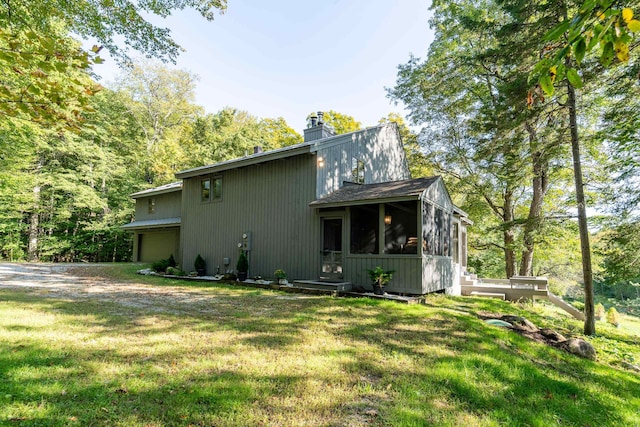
(331, 248)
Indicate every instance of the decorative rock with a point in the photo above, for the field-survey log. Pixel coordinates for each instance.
(580, 347)
(520, 322)
(552, 335)
(147, 272)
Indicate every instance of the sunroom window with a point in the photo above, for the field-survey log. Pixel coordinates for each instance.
(401, 228)
(364, 229)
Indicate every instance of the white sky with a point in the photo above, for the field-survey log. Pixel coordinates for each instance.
(286, 58)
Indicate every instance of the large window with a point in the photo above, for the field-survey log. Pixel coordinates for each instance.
(436, 231)
(364, 229)
(401, 228)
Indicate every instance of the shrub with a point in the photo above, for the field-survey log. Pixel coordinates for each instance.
(160, 266)
(175, 271)
(199, 263)
(578, 304)
(613, 317)
(380, 276)
(172, 261)
(599, 311)
(243, 263)
(280, 274)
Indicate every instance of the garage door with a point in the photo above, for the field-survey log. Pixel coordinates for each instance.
(157, 245)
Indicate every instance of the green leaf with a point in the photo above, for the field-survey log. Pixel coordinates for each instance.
(634, 25)
(607, 54)
(579, 49)
(574, 78)
(557, 31)
(546, 84)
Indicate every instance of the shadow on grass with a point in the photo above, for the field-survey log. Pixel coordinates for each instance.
(427, 366)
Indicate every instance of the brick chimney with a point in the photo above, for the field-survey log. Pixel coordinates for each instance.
(317, 128)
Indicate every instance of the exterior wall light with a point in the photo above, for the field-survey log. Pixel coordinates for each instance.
(321, 162)
(387, 219)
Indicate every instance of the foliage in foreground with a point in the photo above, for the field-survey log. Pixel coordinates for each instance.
(227, 356)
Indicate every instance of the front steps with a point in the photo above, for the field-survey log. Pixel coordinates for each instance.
(324, 285)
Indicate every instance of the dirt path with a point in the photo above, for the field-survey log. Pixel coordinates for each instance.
(83, 281)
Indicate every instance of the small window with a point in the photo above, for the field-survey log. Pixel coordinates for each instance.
(152, 205)
(217, 188)
(357, 170)
(205, 190)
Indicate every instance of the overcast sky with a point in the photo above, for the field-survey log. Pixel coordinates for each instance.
(286, 58)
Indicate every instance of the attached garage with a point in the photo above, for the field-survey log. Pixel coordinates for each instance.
(155, 245)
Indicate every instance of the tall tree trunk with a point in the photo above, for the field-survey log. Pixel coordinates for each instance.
(589, 321)
(509, 235)
(34, 224)
(540, 185)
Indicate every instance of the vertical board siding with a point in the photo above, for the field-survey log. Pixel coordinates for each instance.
(168, 205)
(407, 277)
(380, 149)
(269, 200)
(437, 273)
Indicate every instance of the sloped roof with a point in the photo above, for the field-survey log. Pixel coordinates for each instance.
(279, 153)
(152, 223)
(351, 194)
(167, 188)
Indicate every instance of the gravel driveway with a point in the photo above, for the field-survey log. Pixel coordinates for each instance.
(83, 281)
(87, 282)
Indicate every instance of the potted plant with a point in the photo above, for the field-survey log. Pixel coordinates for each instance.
(200, 265)
(280, 276)
(242, 266)
(380, 277)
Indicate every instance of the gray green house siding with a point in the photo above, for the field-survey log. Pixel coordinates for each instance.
(269, 201)
(278, 206)
(156, 229)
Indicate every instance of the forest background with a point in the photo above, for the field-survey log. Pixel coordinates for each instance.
(72, 151)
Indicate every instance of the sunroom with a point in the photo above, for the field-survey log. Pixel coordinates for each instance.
(405, 226)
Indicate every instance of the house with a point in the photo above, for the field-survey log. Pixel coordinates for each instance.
(329, 208)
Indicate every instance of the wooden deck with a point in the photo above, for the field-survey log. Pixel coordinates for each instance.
(515, 289)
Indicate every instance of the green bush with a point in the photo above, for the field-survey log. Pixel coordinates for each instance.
(199, 263)
(599, 311)
(243, 263)
(160, 266)
(613, 317)
(171, 261)
(175, 271)
(578, 304)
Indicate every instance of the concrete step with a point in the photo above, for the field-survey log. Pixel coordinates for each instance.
(488, 295)
(324, 285)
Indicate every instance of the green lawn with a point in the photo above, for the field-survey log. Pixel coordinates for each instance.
(247, 357)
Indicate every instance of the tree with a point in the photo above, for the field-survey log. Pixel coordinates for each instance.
(341, 123)
(593, 24)
(161, 101)
(44, 78)
(419, 164)
(44, 72)
(468, 94)
(105, 21)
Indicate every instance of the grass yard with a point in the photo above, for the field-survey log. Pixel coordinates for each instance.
(236, 356)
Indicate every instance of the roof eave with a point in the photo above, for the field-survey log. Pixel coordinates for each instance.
(244, 161)
(322, 205)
